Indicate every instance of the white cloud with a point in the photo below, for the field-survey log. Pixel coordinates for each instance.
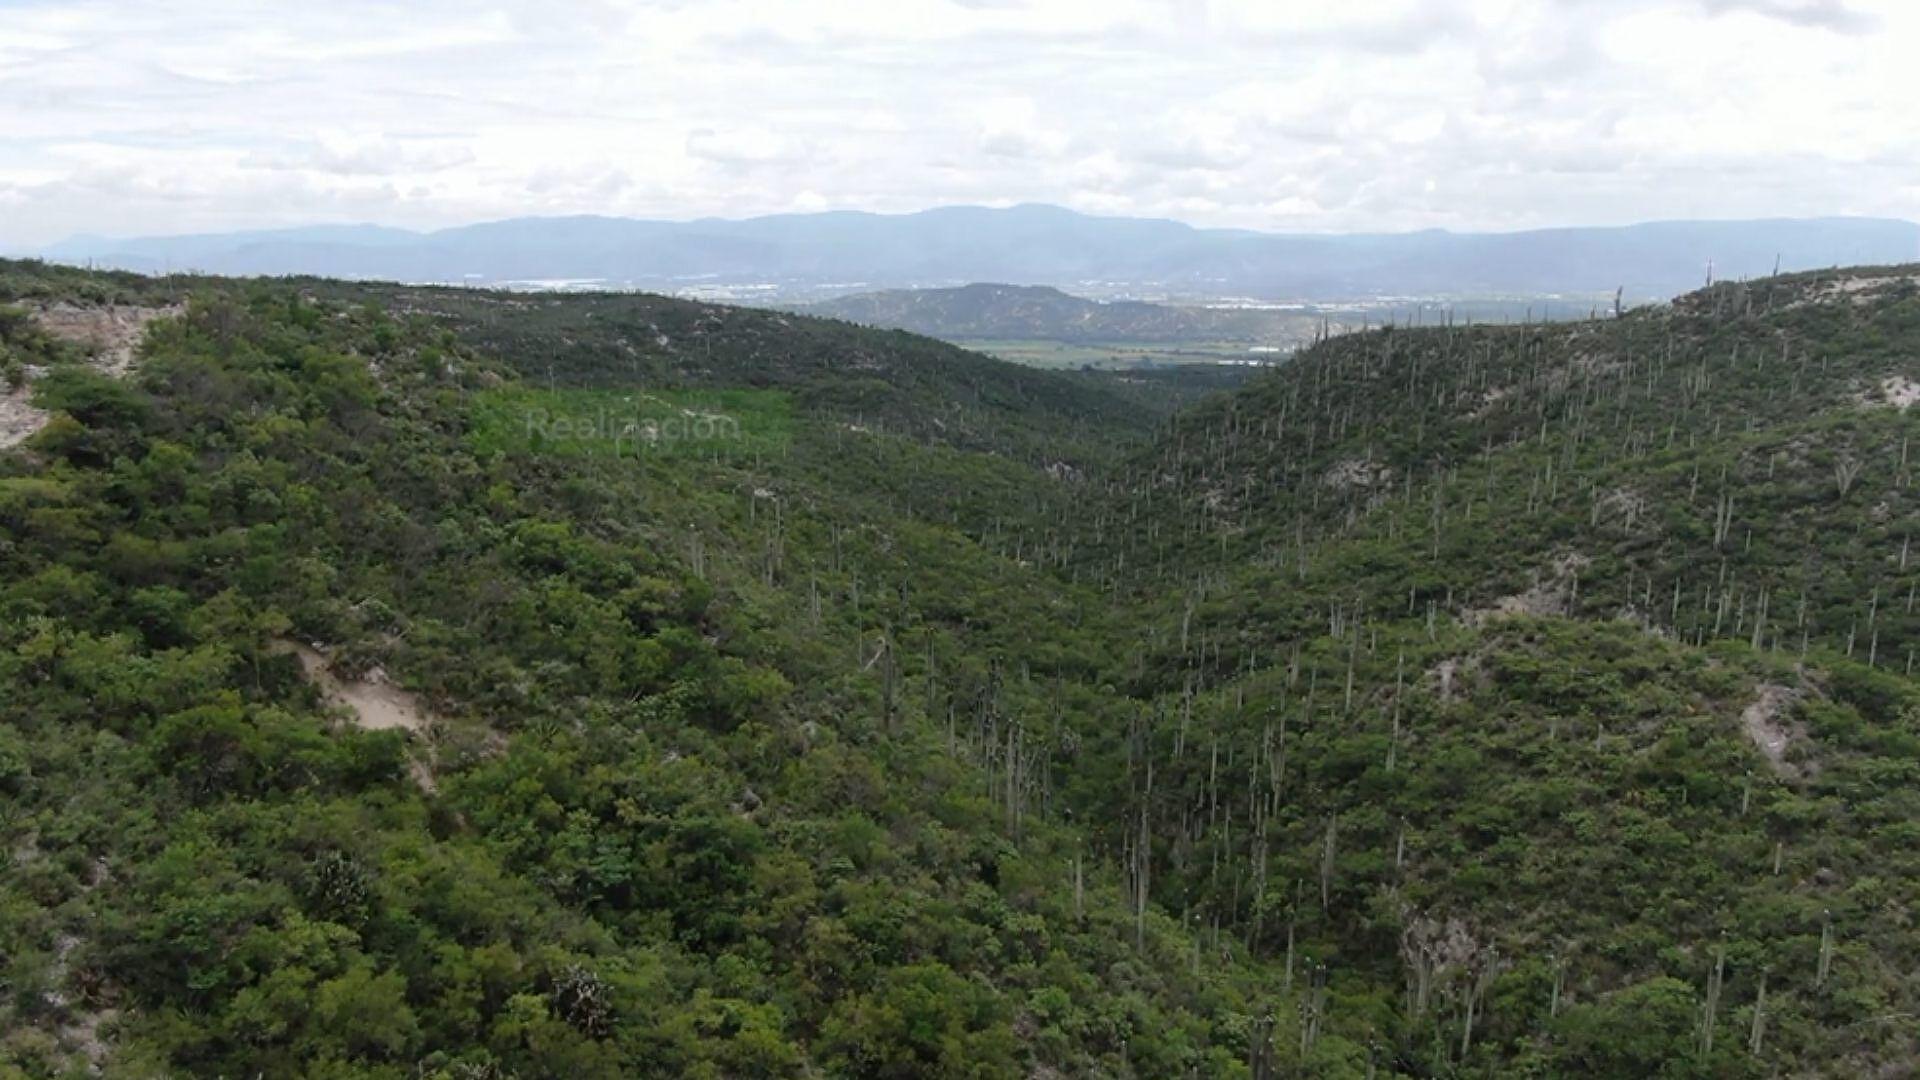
(744, 146)
(355, 155)
(121, 117)
(1016, 127)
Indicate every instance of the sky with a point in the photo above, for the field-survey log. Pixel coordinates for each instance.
(135, 118)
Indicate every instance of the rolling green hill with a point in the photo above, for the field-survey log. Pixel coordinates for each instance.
(1459, 701)
(676, 793)
(1552, 665)
(1040, 312)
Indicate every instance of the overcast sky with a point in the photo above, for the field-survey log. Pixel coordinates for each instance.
(131, 118)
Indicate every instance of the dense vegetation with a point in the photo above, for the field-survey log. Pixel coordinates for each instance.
(667, 820)
(1455, 701)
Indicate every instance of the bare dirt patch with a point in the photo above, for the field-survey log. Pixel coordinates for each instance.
(81, 1033)
(87, 1038)
(1896, 392)
(111, 334)
(1489, 398)
(373, 701)
(1453, 677)
(1357, 472)
(19, 420)
(1765, 722)
(1859, 289)
(1551, 593)
(1621, 505)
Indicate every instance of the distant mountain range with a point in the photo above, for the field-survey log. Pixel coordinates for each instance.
(811, 255)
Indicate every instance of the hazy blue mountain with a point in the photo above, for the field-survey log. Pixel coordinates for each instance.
(222, 245)
(851, 251)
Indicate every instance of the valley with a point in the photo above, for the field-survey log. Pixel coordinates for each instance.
(1452, 700)
(1046, 327)
(960, 540)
